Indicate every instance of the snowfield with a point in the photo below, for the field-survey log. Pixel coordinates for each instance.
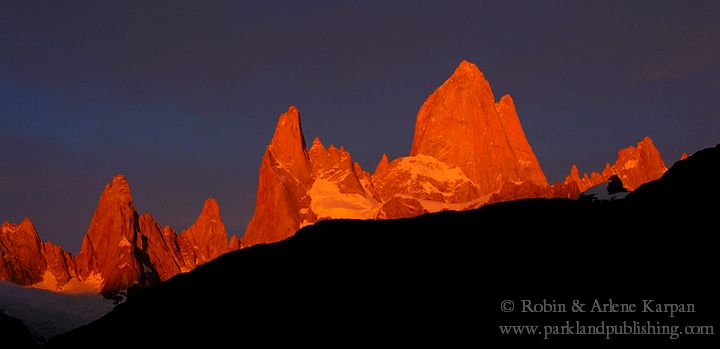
(46, 313)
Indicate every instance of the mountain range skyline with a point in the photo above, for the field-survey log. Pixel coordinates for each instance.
(469, 151)
(182, 104)
(444, 133)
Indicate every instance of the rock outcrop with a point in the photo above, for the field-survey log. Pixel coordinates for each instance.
(468, 150)
(113, 246)
(461, 125)
(282, 203)
(297, 187)
(120, 250)
(635, 165)
(206, 238)
(22, 253)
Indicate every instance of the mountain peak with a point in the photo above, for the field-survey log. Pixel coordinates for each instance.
(288, 144)
(634, 166)
(507, 102)
(460, 122)
(288, 129)
(117, 190)
(27, 223)
(317, 143)
(574, 175)
(23, 260)
(206, 238)
(211, 209)
(384, 161)
(646, 142)
(469, 69)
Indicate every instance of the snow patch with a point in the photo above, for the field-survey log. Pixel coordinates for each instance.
(428, 166)
(91, 285)
(328, 201)
(437, 206)
(630, 164)
(46, 313)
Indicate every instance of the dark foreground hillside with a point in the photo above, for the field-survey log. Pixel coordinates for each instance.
(440, 278)
(13, 334)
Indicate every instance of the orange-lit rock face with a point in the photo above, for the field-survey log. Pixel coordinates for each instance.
(285, 176)
(206, 238)
(297, 186)
(467, 151)
(113, 246)
(60, 263)
(335, 165)
(234, 243)
(22, 252)
(401, 207)
(634, 166)
(161, 248)
(121, 248)
(466, 147)
(127, 249)
(461, 125)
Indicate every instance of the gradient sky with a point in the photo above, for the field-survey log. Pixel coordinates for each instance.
(182, 96)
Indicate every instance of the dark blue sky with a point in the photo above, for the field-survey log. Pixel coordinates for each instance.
(182, 96)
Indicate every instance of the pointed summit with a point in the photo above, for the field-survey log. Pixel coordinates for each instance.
(382, 164)
(574, 175)
(288, 138)
(206, 238)
(210, 210)
(635, 165)
(317, 143)
(234, 243)
(27, 224)
(111, 239)
(22, 257)
(461, 125)
(639, 164)
(118, 190)
(467, 70)
(285, 177)
(288, 145)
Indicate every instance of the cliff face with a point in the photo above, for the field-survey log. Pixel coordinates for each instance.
(297, 187)
(461, 125)
(468, 150)
(113, 247)
(121, 249)
(285, 177)
(635, 165)
(23, 253)
(206, 238)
